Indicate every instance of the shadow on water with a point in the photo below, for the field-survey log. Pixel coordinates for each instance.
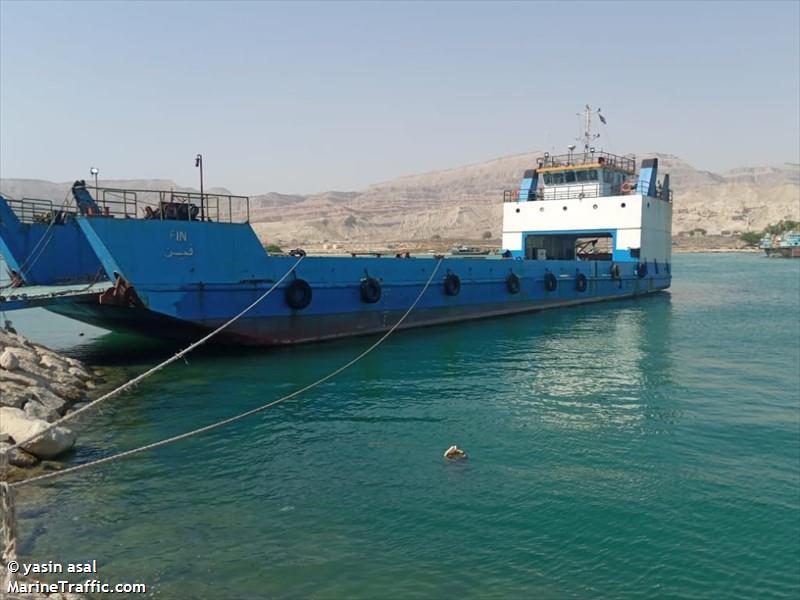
(110, 348)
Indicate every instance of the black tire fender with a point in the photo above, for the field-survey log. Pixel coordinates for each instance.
(298, 294)
(581, 282)
(550, 282)
(370, 290)
(452, 284)
(513, 283)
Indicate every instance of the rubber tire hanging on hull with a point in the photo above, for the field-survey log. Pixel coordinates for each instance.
(370, 290)
(452, 284)
(550, 282)
(513, 283)
(616, 273)
(298, 294)
(580, 282)
(641, 270)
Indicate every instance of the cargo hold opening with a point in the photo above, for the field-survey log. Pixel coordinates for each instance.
(573, 246)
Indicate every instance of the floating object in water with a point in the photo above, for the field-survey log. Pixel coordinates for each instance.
(455, 452)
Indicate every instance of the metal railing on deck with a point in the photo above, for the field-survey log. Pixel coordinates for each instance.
(37, 210)
(172, 205)
(622, 163)
(578, 192)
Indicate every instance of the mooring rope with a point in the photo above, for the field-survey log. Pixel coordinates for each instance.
(8, 551)
(7, 493)
(240, 416)
(158, 367)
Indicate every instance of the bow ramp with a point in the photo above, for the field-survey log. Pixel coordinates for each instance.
(48, 295)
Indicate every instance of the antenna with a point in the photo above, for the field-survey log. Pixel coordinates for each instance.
(588, 137)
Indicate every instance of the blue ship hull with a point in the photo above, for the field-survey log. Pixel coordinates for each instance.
(185, 277)
(44, 254)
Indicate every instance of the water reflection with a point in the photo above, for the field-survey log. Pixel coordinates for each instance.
(605, 365)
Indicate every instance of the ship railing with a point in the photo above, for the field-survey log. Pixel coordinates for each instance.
(38, 210)
(575, 159)
(578, 192)
(172, 205)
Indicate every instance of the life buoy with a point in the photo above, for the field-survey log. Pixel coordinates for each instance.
(370, 290)
(628, 187)
(513, 283)
(452, 284)
(641, 270)
(616, 272)
(298, 294)
(580, 282)
(550, 282)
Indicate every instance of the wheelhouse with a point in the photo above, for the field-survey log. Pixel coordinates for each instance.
(589, 206)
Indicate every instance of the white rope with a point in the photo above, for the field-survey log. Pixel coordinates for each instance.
(240, 416)
(139, 378)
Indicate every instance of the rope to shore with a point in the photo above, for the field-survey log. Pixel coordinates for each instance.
(155, 369)
(240, 416)
(9, 548)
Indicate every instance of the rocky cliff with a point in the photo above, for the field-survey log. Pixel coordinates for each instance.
(466, 202)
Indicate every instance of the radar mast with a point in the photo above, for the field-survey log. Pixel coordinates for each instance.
(588, 137)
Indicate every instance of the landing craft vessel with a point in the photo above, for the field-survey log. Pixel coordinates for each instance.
(581, 227)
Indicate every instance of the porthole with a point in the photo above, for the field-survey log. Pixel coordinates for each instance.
(517, 210)
(622, 205)
(594, 206)
(541, 209)
(564, 207)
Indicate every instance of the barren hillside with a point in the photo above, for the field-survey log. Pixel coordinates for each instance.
(465, 202)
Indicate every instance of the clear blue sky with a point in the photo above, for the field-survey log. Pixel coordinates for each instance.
(306, 97)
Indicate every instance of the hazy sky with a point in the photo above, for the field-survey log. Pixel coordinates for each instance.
(307, 97)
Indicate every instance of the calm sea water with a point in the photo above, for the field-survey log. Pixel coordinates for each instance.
(635, 449)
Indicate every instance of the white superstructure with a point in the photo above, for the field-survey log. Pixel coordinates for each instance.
(590, 205)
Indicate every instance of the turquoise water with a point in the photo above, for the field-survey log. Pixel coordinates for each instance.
(635, 449)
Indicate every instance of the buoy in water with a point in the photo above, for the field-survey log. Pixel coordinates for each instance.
(455, 452)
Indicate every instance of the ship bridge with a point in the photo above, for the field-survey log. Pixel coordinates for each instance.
(590, 205)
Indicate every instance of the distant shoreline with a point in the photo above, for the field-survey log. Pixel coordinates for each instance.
(687, 250)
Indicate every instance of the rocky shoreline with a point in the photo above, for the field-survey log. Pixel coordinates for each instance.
(37, 387)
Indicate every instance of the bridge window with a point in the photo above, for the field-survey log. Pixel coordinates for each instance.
(569, 176)
(558, 178)
(548, 179)
(592, 175)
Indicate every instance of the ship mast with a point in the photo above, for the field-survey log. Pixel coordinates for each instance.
(589, 137)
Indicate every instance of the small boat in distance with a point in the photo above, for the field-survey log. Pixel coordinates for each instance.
(781, 246)
(580, 227)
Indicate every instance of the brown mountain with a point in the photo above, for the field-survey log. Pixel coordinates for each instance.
(465, 202)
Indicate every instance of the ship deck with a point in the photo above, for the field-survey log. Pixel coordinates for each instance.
(47, 295)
